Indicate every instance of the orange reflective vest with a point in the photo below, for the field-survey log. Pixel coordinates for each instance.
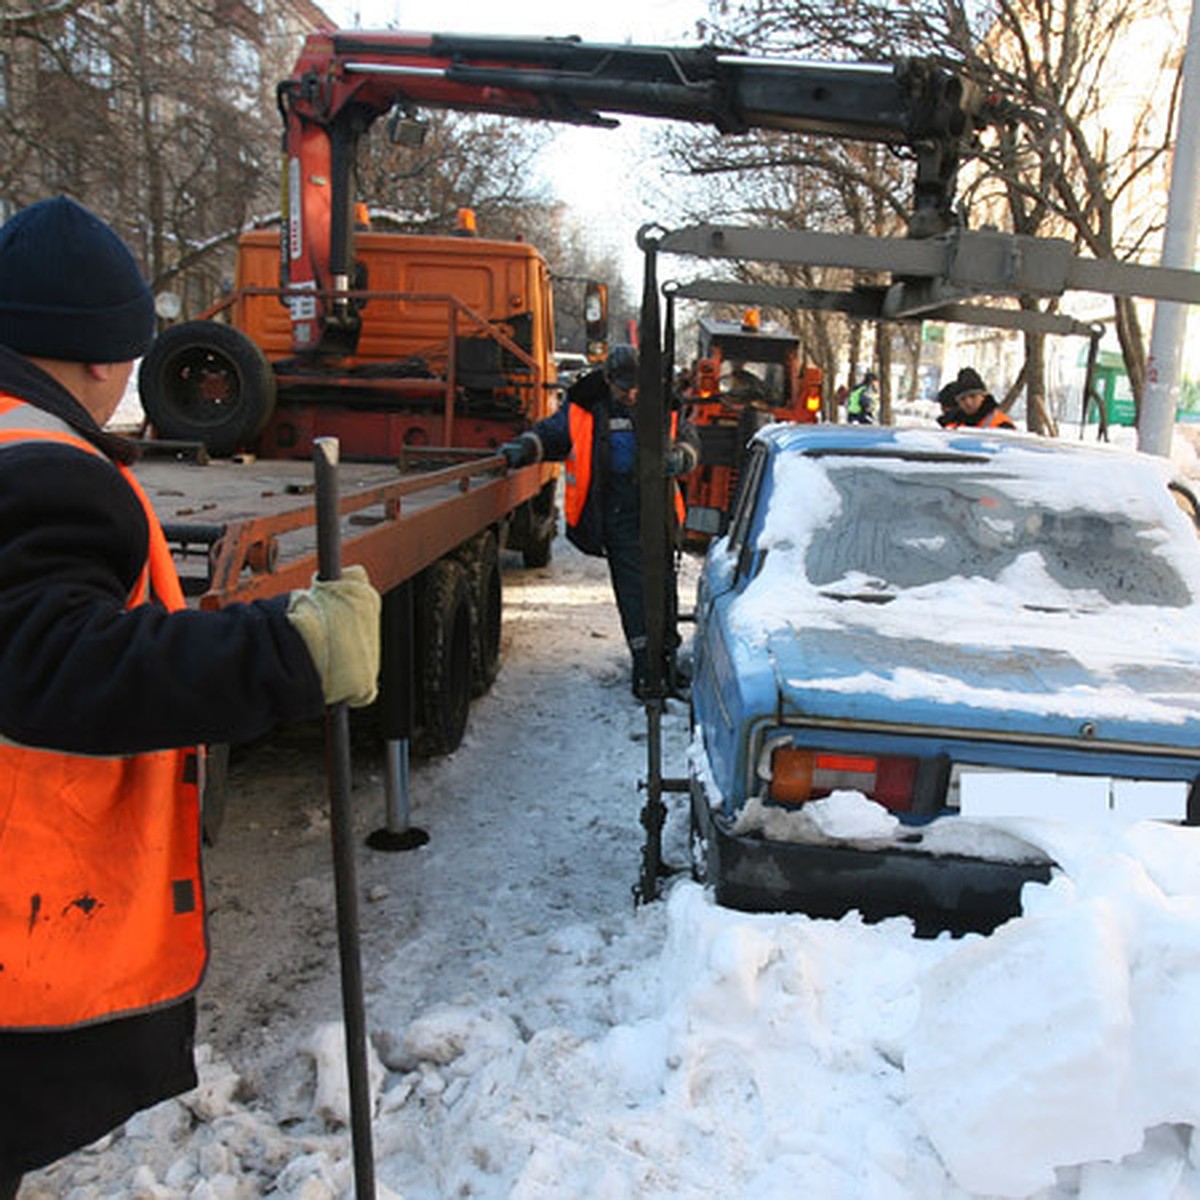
(101, 897)
(997, 419)
(578, 467)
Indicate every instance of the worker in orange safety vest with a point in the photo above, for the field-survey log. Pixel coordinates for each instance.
(594, 433)
(966, 402)
(108, 683)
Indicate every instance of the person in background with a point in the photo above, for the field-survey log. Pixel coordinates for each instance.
(595, 434)
(973, 405)
(108, 684)
(947, 399)
(744, 384)
(862, 401)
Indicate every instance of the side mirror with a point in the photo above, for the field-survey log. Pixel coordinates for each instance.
(404, 129)
(595, 320)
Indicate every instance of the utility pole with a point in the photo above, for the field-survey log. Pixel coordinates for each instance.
(1156, 422)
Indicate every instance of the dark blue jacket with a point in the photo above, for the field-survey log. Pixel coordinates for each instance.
(78, 672)
(614, 454)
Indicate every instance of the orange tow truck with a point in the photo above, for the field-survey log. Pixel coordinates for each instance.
(450, 345)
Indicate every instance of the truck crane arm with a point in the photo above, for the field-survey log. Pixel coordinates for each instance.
(344, 81)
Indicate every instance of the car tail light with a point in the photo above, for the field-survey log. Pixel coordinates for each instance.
(799, 774)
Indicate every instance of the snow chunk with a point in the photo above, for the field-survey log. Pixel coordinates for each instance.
(1060, 1045)
(450, 1032)
(845, 815)
(331, 1097)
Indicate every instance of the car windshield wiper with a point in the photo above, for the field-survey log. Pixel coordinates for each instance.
(908, 454)
(864, 597)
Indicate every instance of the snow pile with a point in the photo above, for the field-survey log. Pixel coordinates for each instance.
(1087, 1045)
(764, 1056)
(784, 1056)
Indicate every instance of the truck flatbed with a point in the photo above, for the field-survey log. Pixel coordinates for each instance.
(246, 530)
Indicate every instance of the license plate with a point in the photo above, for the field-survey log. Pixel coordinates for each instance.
(1090, 799)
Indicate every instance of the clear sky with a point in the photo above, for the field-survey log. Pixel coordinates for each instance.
(612, 20)
(598, 173)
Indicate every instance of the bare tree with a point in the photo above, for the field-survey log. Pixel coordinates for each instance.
(465, 161)
(1074, 168)
(1059, 159)
(161, 116)
(793, 182)
(156, 114)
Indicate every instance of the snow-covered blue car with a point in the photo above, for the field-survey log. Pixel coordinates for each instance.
(912, 644)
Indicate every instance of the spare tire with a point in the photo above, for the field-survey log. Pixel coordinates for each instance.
(202, 381)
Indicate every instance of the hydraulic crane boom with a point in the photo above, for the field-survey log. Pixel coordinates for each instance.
(343, 81)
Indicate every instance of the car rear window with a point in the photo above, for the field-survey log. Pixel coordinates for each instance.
(1065, 535)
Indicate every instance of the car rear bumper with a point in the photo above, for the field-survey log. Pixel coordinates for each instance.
(939, 893)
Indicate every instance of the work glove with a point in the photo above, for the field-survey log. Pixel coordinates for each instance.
(339, 622)
(519, 453)
(679, 460)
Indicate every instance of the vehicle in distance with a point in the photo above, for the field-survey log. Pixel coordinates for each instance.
(745, 377)
(908, 638)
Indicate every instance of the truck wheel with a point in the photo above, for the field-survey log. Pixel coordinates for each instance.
(202, 381)
(482, 565)
(543, 525)
(443, 658)
(538, 551)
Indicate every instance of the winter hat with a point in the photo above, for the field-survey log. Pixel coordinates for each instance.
(969, 380)
(69, 287)
(621, 367)
(949, 393)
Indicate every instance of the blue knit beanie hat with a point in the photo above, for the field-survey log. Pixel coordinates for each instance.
(69, 287)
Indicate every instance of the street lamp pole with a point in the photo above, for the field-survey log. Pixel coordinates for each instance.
(1156, 421)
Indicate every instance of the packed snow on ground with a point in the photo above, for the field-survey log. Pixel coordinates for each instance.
(535, 1036)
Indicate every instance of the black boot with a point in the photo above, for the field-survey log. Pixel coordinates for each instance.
(679, 680)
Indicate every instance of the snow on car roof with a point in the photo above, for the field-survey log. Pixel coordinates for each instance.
(982, 541)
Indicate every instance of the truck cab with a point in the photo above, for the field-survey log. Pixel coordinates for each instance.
(455, 348)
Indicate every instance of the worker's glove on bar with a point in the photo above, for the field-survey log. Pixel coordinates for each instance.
(523, 451)
(339, 622)
(679, 460)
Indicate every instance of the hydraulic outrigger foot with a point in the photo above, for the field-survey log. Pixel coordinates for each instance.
(654, 811)
(398, 834)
